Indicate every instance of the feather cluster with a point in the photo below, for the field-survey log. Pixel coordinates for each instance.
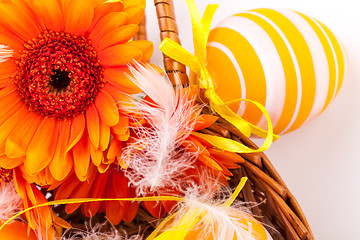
(155, 157)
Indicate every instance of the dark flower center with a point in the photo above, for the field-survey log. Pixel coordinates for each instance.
(59, 75)
(59, 80)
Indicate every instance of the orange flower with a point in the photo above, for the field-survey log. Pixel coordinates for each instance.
(59, 89)
(110, 184)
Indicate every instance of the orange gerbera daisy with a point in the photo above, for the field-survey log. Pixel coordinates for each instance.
(60, 85)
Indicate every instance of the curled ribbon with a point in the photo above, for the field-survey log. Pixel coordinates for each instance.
(197, 63)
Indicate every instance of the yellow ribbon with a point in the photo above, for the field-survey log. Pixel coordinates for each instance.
(86, 200)
(189, 220)
(197, 63)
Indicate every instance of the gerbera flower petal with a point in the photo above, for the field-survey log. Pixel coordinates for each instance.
(7, 163)
(10, 123)
(18, 141)
(114, 149)
(8, 90)
(8, 102)
(92, 123)
(135, 10)
(226, 158)
(96, 156)
(119, 55)
(145, 46)
(102, 168)
(7, 68)
(121, 127)
(81, 153)
(98, 189)
(194, 146)
(118, 35)
(45, 212)
(121, 190)
(114, 209)
(104, 136)
(169, 205)
(10, 39)
(106, 8)
(78, 16)
(62, 163)
(81, 189)
(77, 130)
(155, 209)
(133, 3)
(204, 121)
(42, 146)
(67, 187)
(118, 77)
(31, 196)
(106, 106)
(14, 19)
(132, 208)
(50, 14)
(78, 193)
(5, 82)
(208, 161)
(106, 24)
(48, 178)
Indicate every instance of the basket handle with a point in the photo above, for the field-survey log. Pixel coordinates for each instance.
(141, 34)
(169, 29)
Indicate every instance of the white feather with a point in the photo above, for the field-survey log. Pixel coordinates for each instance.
(156, 159)
(10, 201)
(5, 53)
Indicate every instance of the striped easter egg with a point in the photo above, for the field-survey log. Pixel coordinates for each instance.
(289, 62)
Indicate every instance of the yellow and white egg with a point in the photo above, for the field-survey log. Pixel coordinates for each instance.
(289, 62)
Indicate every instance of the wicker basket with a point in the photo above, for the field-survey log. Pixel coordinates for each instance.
(274, 204)
(276, 207)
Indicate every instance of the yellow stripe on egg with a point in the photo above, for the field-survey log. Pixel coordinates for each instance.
(339, 56)
(290, 67)
(330, 56)
(306, 89)
(285, 60)
(224, 88)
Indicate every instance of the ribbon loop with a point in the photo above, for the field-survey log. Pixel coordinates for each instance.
(174, 50)
(197, 63)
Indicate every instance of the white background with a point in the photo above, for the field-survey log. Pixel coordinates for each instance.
(320, 162)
